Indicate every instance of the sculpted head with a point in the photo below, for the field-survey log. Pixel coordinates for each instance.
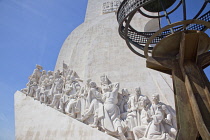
(46, 80)
(38, 67)
(44, 72)
(125, 91)
(36, 71)
(105, 80)
(155, 98)
(88, 82)
(33, 79)
(143, 101)
(57, 74)
(138, 91)
(49, 73)
(92, 84)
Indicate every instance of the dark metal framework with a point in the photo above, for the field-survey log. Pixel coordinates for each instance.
(182, 50)
(129, 8)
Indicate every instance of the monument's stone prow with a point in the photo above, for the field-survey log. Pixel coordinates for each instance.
(36, 121)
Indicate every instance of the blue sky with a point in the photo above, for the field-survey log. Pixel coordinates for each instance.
(32, 32)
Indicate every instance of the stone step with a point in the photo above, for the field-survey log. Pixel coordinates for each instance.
(36, 121)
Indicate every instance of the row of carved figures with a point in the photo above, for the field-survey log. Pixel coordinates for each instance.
(124, 115)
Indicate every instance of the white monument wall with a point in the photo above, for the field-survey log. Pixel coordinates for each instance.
(95, 48)
(92, 50)
(36, 121)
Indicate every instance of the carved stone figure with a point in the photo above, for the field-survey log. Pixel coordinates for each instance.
(132, 112)
(42, 77)
(110, 112)
(131, 119)
(105, 82)
(64, 100)
(41, 85)
(81, 103)
(122, 100)
(38, 90)
(37, 73)
(41, 96)
(73, 92)
(94, 98)
(50, 74)
(86, 91)
(71, 106)
(161, 123)
(139, 130)
(47, 85)
(58, 85)
(32, 86)
(117, 114)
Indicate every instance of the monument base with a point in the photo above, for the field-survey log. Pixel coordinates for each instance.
(35, 121)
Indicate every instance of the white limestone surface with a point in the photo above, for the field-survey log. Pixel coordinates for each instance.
(95, 48)
(36, 121)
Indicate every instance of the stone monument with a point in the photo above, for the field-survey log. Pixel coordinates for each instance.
(95, 48)
(94, 92)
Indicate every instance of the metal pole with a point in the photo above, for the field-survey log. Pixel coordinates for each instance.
(166, 15)
(184, 13)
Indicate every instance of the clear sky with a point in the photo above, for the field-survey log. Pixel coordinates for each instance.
(32, 32)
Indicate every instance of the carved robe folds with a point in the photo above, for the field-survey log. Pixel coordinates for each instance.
(155, 129)
(109, 113)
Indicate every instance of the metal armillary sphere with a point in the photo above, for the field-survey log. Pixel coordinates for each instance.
(180, 49)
